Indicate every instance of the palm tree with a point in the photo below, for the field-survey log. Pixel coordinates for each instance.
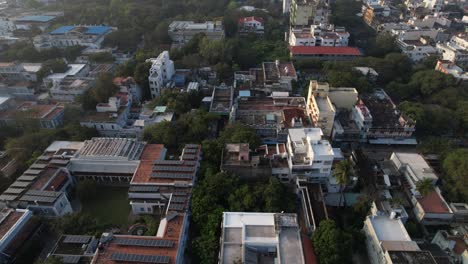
(424, 187)
(342, 171)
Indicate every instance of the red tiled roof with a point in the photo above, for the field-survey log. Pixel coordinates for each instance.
(57, 183)
(9, 222)
(313, 50)
(251, 18)
(309, 253)
(433, 203)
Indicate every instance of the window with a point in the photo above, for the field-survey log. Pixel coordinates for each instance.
(142, 209)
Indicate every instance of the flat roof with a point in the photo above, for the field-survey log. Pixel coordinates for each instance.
(89, 30)
(388, 229)
(41, 19)
(418, 165)
(3, 99)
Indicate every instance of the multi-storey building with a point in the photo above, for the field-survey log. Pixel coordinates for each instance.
(448, 67)
(302, 12)
(46, 115)
(67, 36)
(456, 50)
(13, 71)
(271, 117)
(44, 187)
(260, 237)
(182, 32)
(69, 88)
(380, 122)
(161, 72)
(318, 35)
(388, 241)
(320, 108)
(310, 158)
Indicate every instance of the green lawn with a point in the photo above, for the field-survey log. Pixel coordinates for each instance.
(110, 206)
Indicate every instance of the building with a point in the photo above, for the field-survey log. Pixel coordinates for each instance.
(343, 98)
(69, 88)
(74, 70)
(18, 90)
(238, 160)
(14, 71)
(46, 115)
(319, 35)
(320, 108)
(8, 165)
(271, 117)
(129, 85)
(286, 6)
(434, 6)
(310, 158)
(161, 72)
(370, 73)
(221, 100)
(302, 12)
(456, 50)
(313, 204)
(432, 209)
(29, 22)
(262, 237)
(448, 67)
(7, 26)
(67, 36)
(454, 244)
(107, 160)
(373, 13)
(416, 50)
(324, 52)
(75, 248)
(271, 77)
(251, 24)
(414, 169)
(380, 121)
(44, 187)
(17, 226)
(388, 241)
(182, 32)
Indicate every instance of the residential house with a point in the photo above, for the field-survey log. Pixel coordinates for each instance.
(262, 237)
(15, 71)
(251, 25)
(129, 85)
(310, 157)
(238, 160)
(416, 50)
(67, 36)
(69, 88)
(387, 241)
(74, 70)
(320, 108)
(373, 13)
(302, 12)
(271, 117)
(448, 67)
(161, 72)
(319, 35)
(380, 121)
(182, 32)
(456, 50)
(75, 248)
(455, 244)
(221, 100)
(19, 90)
(46, 115)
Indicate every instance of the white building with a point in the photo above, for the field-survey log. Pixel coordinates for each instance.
(13, 71)
(68, 36)
(260, 237)
(388, 242)
(414, 168)
(448, 67)
(434, 5)
(251, 25)
(15, 224)
(319, 35)
(309, 157)
(74, 70)
(416, 50)
(320, 108)
(161, 72)
(69, 88)
(182, 32)
(456, 50)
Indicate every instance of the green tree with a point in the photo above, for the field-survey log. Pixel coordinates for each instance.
(329, 243)
(101, 57)
(161, 133)
(52, 260)
(342, 171)
(86, 190)
(104, 88)
(455, 167)
(52, 66)
(424, 187)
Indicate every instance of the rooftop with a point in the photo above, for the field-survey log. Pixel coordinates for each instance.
(434, 203)
(41, 19)
(388, 229)
(242, 232)
(324, 50)
(111, 148)
(411, 257)
(417, 164)
(89, 30)
(33, 110)
(9, 218)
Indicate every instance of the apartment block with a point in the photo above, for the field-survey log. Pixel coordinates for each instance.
(161, 72)
(310, 157)
(302, 12)
(319, 35)
(260, 237)
(182, 32)
(320, 108)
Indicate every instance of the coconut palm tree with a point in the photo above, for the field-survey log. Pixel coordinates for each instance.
(342, 172)
(424, 187)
